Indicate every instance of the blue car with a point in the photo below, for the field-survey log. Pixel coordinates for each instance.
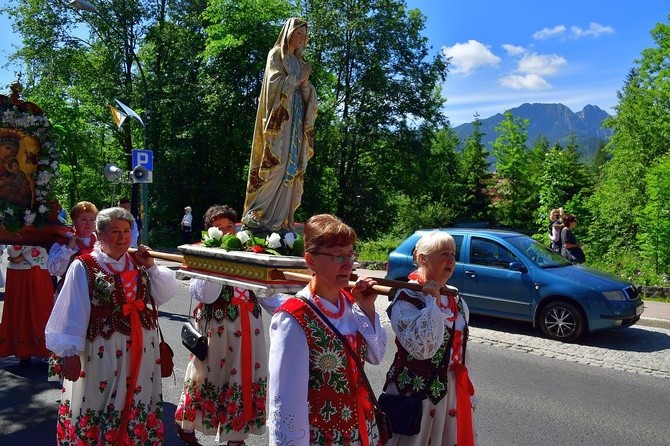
(510, 275)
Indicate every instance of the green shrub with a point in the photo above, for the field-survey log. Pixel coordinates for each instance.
(377, 250)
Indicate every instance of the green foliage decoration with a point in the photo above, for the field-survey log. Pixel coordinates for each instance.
(284, 244)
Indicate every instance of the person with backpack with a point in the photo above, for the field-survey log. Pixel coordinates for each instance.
(571, 250)
(555, 228)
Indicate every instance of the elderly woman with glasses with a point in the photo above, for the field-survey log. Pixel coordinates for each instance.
(316, 393)
(431, 328)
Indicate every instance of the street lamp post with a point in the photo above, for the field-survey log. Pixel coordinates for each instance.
(83, 5)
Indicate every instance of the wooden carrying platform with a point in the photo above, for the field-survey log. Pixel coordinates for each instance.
(264, 274)
(250, 270)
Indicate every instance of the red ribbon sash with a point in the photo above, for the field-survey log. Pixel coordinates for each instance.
(246, 307)
(464, 390)
(132, 310)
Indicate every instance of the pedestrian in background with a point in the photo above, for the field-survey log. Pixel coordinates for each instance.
(555, 227)
(186, 225)
(431, 338)
(134, 231)
(2, 266)
(571, 250)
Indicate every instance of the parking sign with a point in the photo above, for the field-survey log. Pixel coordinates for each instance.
(143, 158)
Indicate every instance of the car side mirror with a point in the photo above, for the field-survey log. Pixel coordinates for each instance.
(517, 266)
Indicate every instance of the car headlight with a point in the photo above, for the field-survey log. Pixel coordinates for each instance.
(615, 296)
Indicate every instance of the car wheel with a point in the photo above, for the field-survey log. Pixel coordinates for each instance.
(562, 321)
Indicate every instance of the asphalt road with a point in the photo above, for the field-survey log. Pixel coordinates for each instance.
(611, 389)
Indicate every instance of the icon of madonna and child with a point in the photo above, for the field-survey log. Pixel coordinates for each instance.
(18, 164)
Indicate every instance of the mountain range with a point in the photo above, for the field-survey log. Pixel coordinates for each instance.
(553, 121)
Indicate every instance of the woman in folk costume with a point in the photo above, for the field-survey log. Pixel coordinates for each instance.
(29, 298)
(105, 331)
(431, 336)
(316, 392)
(283, 135)
(224, 395)
(80, 242)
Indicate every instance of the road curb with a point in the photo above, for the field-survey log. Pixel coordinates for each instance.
(654, 322)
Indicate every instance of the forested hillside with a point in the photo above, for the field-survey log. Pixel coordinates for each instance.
(555, 122)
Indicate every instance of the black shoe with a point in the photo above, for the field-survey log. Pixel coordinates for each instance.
(25, 363)
(188, 438)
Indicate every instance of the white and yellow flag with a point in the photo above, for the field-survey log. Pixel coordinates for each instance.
(118, 116)
(129, 111)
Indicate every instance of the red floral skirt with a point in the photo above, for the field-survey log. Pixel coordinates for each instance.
(29, 299)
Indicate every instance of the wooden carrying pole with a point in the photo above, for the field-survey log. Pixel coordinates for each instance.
(162, 255)
(384, 286)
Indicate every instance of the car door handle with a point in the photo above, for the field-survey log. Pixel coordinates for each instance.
(470, 273)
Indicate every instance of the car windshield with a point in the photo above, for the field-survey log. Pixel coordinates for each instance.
(538, 253)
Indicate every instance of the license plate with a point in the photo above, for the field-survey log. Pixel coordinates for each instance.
(639, 309)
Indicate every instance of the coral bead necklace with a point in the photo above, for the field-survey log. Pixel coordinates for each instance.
(322, 307)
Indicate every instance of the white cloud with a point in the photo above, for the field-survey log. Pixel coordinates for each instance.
(467, 57)
(595, 30)
(524, 82)
(547, 33)
(531, 71)
(541, 64)
(513, 50)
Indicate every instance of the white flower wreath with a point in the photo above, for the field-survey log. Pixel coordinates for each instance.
(13, 217)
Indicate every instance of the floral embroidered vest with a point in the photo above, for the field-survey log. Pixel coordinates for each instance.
(222, 308)
(411, 375)
(107, 299)
(333, 381)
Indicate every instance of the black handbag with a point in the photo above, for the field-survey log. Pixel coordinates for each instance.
(381, 418)
(404, 412)
(193, 340)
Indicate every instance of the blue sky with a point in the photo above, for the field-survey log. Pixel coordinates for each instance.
(506, 53)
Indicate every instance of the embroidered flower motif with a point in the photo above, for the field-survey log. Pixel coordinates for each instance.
(103, 286)
(327, 361)
(347, 413)
(219, 315)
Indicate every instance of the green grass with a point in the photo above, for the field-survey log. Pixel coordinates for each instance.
(376, 250)
(657, 299)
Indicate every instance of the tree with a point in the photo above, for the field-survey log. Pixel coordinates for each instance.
(641, 127)
(474, 177)
(654, 220)
(210, 88)
(563, 182)
(512, 173)
(377, 88)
